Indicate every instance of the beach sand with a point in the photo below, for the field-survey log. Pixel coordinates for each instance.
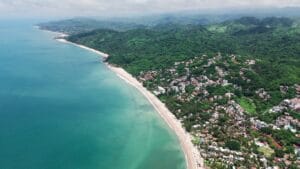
(192, 155)
(104, 55)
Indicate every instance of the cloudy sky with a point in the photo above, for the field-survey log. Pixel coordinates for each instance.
(67, 8)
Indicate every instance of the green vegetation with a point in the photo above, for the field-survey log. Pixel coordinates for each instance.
(284, 137)
(233, 145)
(247, 105)
(267, 151)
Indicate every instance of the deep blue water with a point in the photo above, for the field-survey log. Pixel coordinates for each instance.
(61, 108)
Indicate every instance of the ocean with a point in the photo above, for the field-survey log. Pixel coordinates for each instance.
(62, 108)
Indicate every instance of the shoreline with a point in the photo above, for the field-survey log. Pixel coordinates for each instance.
(104, 55)
(61, 38)
(191, 153)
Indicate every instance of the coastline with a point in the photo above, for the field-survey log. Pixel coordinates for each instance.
(191, 153)
(104, 55)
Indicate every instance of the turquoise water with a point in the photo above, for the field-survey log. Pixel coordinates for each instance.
(60, 108)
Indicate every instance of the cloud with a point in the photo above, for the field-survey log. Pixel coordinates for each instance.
(124, 7)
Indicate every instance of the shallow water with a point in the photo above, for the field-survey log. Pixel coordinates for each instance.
(61, 108)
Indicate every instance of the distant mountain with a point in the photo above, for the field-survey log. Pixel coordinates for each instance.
(197, 17)
(269, 21)
(79, 25)
(252, 25)
(205, 17)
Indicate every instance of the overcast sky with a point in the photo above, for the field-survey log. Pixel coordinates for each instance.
(67, 8)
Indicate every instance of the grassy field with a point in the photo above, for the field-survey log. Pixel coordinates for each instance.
(247, 105)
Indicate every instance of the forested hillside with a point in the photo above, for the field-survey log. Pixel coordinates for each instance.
(234, 85)
(79, 25)
(271, 39)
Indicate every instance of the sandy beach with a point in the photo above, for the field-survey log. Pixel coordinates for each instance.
(84, 47)
(192, 155)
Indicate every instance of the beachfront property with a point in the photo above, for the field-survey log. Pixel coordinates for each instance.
(225, 113)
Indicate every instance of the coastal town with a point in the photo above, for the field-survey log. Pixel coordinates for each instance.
(207, 97)
(237, 108)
